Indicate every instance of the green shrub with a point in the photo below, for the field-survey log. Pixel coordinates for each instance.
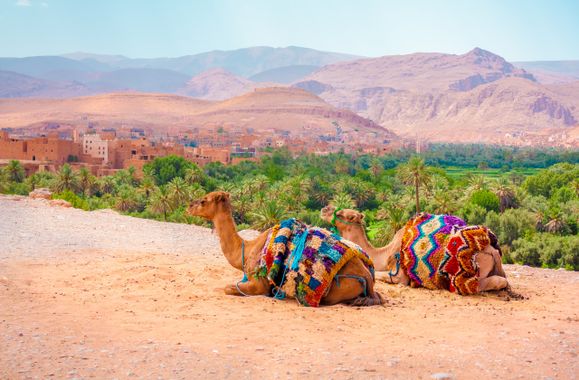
(73, 199)
(485, 199)
(547, 250)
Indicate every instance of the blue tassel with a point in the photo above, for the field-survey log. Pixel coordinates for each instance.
(299, 250)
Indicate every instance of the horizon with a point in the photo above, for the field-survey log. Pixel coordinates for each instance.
(515, 30)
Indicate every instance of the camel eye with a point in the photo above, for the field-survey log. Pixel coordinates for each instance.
(203, 201)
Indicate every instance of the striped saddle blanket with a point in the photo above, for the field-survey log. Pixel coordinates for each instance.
(302, 261)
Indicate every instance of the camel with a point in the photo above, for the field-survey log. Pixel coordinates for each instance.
(245, 255)
(349, 223)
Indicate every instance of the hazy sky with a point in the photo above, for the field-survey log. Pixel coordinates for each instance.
(515, 29)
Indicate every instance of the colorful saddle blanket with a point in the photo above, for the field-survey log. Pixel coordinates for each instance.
(301, 262)
(438, 252)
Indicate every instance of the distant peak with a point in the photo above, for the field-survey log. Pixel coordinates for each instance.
(481, 53)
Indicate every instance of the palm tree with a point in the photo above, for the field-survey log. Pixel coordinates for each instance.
(342, 165)
(415, 173)
(342, 200)
(555, 225)
(268, 214)
(194, 175)
(444, 202)
(147, 186)
(126, 199)
(476, 182)
(161, 202)
(15, 171)
(66, 180)
(86, 181)
(179, 191)
(376, 167)
(506, 195)
(394, 213)
(107, 184)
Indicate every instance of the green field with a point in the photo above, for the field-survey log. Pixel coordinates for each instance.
(458, 172)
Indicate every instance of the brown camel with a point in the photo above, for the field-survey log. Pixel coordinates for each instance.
(245, 256)
(349, 223)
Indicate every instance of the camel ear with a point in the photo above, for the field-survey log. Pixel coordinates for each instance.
(221, 197)
(360, 217)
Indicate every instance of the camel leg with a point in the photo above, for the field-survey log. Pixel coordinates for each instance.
(351, 290)
(486, 264)
(492, 283)
(253, 287)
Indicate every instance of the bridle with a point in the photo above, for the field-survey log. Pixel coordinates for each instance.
(335, 217)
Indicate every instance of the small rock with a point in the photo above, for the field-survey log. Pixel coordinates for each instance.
(442, 376)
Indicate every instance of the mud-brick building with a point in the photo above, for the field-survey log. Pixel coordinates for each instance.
(47, 149)
(12, 148)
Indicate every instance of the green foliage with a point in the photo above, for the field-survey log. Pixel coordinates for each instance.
(548, 181)
(73, 199)
(15, 171)
(510, 225)
(485, 199)
(164, 169)
(547, 250)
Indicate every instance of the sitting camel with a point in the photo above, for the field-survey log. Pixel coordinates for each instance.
(288, 259)
(433, 251)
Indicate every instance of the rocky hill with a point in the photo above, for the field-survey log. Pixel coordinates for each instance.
(477, 96)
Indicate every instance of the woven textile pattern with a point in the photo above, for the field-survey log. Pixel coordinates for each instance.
(304, 261)
(438, 252)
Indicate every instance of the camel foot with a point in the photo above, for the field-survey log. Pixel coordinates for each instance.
(373, 300)
(231, 290)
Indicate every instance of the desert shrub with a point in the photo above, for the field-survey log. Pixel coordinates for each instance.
(73, 199)
(547, 250)
(510, 225)
(485, 199)
(18, 188)
(473, 214)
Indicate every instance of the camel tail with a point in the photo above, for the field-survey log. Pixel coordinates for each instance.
(371, 300)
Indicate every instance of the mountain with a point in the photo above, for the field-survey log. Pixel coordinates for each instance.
(473, 97)
(42, 65)
(217, 84)
(549, 72)
(285, 75)
(14, 85)
(242, 62)
(101, 73)
(143, 80)
(263, 109)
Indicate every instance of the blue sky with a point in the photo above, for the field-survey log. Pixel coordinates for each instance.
(515, 29)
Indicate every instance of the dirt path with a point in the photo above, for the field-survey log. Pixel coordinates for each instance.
(82, 297)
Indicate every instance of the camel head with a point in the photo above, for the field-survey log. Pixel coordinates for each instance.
(210, 205)
(341, 218)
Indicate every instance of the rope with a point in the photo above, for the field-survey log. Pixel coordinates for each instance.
(335, 217)
(397, 257)
(244, 279)
(360, 279)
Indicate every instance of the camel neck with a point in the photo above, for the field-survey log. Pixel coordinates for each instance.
(379, 256)
(231, 242)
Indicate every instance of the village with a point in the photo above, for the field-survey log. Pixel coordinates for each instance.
(106, 150)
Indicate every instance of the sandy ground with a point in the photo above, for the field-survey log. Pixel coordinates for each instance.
(99, 295)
